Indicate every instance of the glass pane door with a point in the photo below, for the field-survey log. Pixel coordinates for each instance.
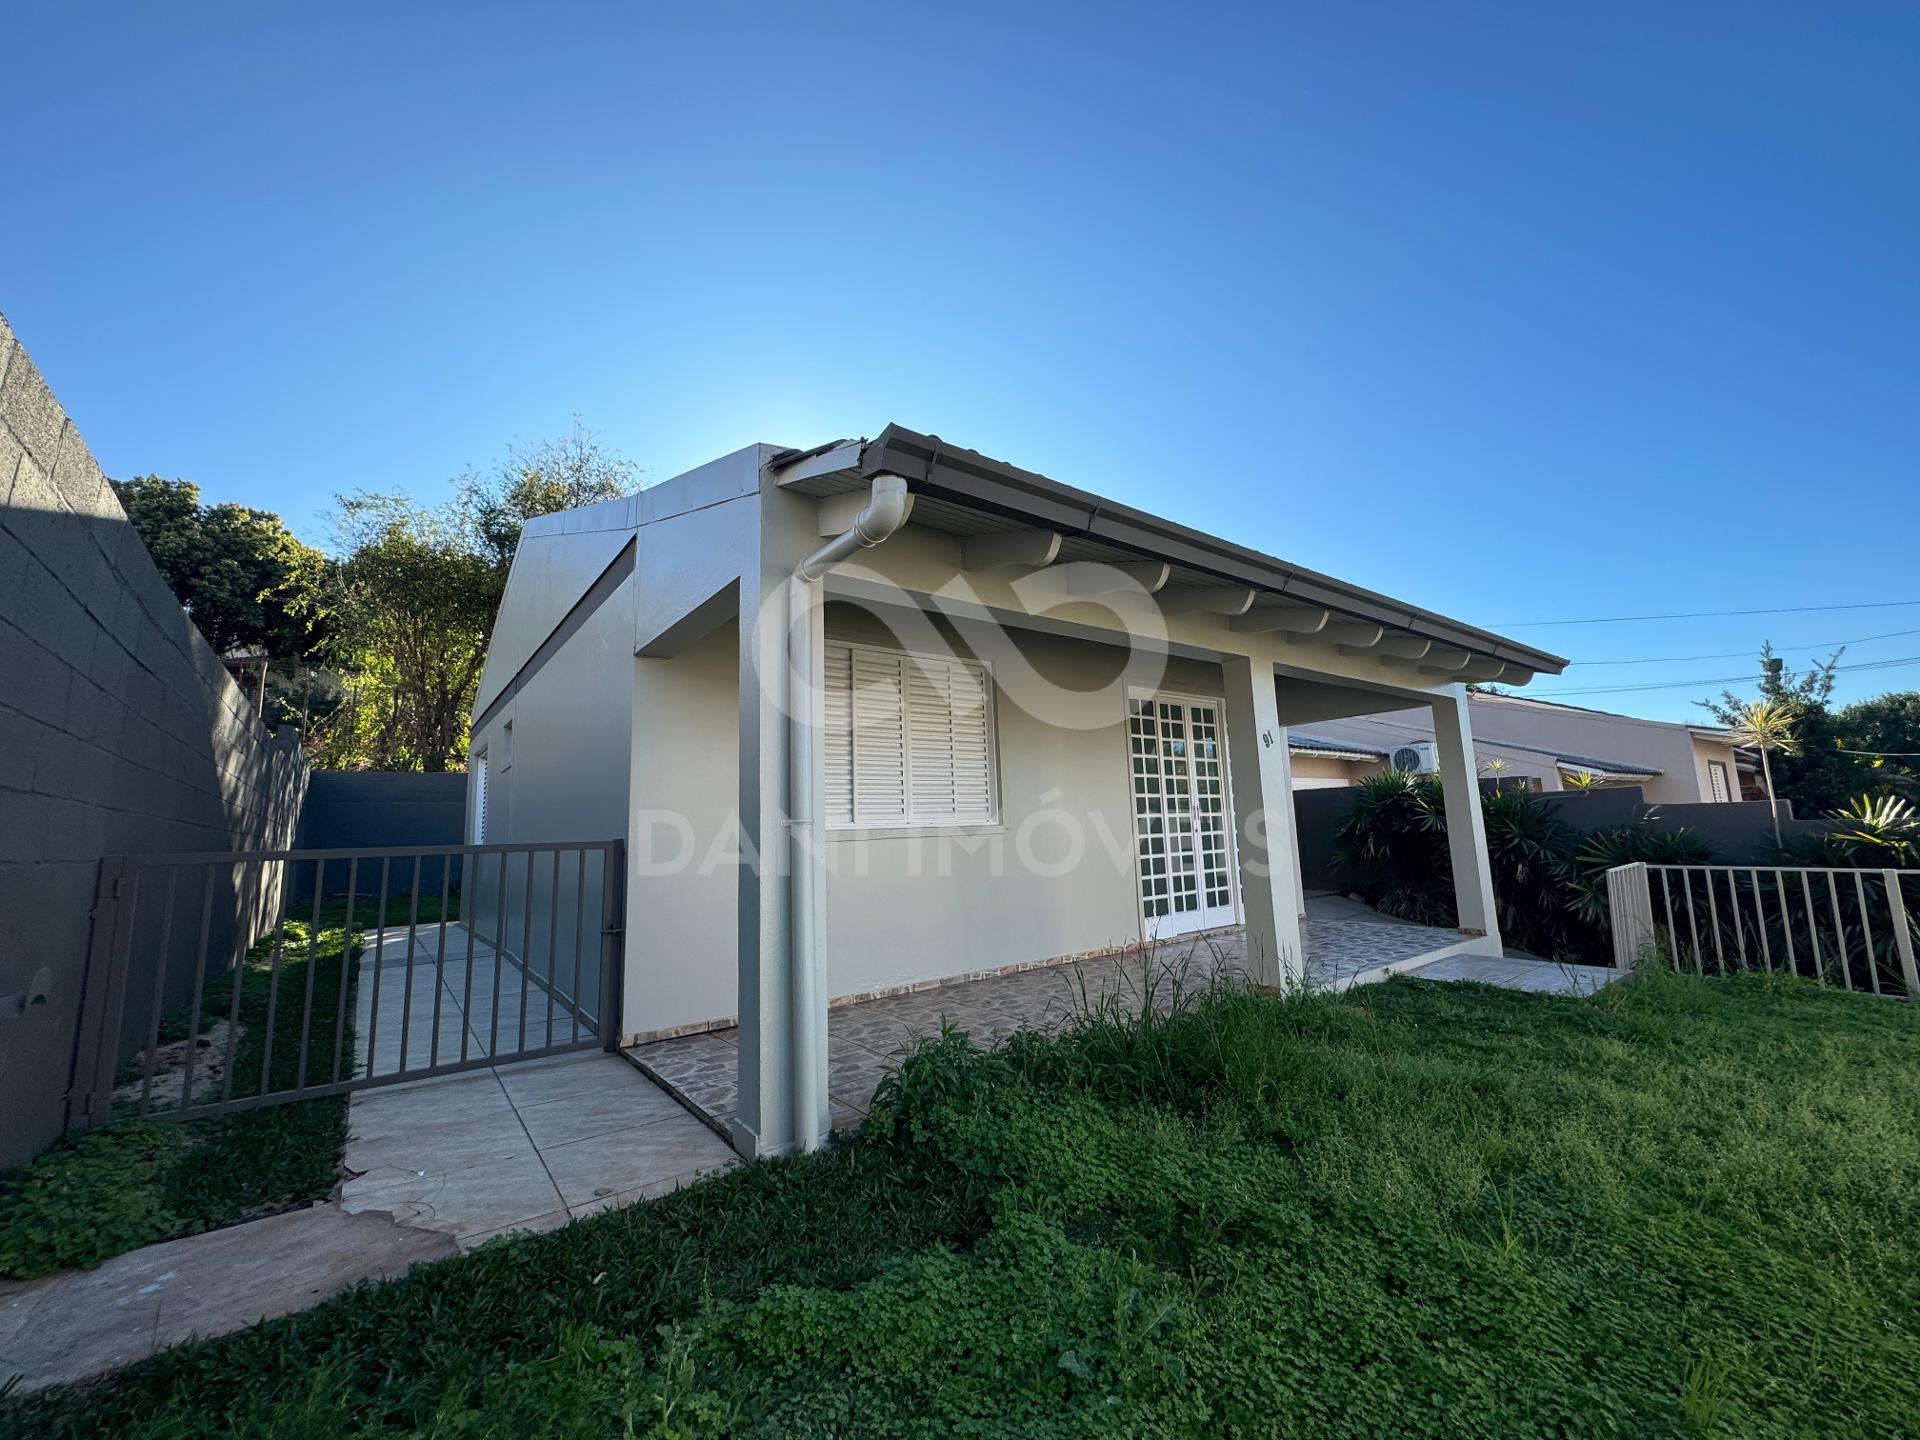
(1181, 824)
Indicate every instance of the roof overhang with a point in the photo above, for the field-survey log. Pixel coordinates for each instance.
(1322, 751)
(935, 469)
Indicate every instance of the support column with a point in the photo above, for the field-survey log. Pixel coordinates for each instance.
(1263, 822)
(807, 884)
(1293, 830)
(763, 1121)
(1466, 829)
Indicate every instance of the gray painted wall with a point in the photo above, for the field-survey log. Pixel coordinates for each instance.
(557, 754)
(119, 733)
(385, 810)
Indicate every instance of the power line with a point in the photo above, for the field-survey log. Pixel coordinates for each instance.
(1882, 754)
(1737, 654)
(1703, 615)
(1718, 680)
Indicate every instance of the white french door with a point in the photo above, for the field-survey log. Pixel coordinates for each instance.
(1182, 819)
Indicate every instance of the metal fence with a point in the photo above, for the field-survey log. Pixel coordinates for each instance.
(221, 982)
(1851, 928)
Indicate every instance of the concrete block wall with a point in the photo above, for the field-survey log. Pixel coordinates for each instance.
(120, 733)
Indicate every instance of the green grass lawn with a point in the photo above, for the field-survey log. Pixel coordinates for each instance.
(1682, 1208)
(132, 1182)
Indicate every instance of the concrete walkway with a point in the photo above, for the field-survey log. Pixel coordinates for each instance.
(1538, 977)
(82, 1322)
(446, 995)
(527, 1146)
(523, 1145)
(439, 1166)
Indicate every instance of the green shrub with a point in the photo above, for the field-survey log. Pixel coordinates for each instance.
(85, 1201)
(1549, 882)
(1392, 847)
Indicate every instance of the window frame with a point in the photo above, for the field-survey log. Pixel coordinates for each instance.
(911, 825)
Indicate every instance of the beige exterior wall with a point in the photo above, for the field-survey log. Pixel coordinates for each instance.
(1322, 772)
(1055, 876)
(684, 839)
(1706, 754)
(1515, 739)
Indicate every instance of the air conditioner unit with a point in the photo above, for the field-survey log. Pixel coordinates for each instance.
(1417, 758)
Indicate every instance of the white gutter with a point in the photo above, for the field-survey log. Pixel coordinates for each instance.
(885, 512)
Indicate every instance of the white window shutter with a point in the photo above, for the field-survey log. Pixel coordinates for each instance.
(909, 739)
(948, 741)
(879, 739)
(838, 799)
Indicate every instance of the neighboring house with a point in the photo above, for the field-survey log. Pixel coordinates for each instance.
(887, 712)
(1549, 746)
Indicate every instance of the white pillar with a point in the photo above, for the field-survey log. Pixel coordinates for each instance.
(1293, 828)
(763, 1121)
(1466, 829)
(807, 882)
(1262, 781)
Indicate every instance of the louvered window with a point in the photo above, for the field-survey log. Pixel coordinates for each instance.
(909, 739)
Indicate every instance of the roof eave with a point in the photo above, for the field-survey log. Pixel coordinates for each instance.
(927, 461)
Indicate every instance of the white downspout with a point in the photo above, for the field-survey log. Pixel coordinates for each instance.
(884, 513)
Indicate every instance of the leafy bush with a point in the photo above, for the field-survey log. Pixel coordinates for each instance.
(1528, 851)
(1584, 875)
(1868, 832)
(1392, 847)
(1549, 882)
(75, 1206)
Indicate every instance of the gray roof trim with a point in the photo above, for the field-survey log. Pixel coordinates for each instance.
(1333, 749)
(928, 462)
(1578, 762)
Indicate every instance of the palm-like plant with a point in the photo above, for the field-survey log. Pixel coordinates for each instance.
(1581, 780)
(1766, 726)
(1881, 824)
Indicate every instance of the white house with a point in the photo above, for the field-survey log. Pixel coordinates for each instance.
(886, 711)
(1548, 745)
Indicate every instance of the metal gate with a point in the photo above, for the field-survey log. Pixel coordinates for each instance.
(221, 982)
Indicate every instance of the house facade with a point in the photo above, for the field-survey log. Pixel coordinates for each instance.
(883, 713)
(1547, 745)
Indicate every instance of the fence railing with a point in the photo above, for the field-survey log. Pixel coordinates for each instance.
(1851, 928)
(221, 982)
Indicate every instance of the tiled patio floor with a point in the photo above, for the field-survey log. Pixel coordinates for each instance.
(864, 1040)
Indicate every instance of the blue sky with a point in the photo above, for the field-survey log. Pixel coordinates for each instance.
(1524, 313)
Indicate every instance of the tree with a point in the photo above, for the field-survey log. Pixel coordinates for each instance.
(1881, 737)
(416, 608)
(1779, 684)
(1767, 726)
(248, 583)
(419, 589)
(1816, 777)
(561, 474)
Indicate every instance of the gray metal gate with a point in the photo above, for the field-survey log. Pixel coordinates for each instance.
(221, 982)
